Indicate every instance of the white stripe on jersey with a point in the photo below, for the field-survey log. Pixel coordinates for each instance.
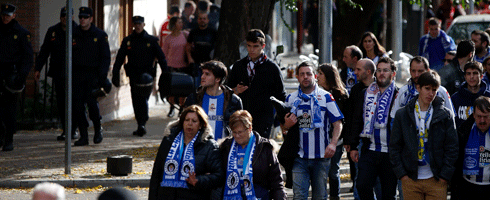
(212, 112)
(332, 106)
(383, 140)
(486, 169)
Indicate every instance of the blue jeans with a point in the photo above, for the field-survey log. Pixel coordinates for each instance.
(374, 164)
(314, 170)
(333, 173)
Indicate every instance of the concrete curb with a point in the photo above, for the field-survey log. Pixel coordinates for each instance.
(80, 183)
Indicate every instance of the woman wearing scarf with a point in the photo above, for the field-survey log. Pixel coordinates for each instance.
(187, 165)
(251, 167)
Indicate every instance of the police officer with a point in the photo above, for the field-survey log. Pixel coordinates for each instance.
(54, 46)
(16, 59)
(141, 49)
(91, 60)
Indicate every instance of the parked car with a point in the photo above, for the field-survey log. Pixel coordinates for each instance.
(462, 26)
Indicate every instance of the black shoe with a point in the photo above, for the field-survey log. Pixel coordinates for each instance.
(98, 136)
(81, 142)
(8, 147)
(140, 132)
(171, 112)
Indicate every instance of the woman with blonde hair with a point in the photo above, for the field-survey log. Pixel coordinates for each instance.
(251, 166)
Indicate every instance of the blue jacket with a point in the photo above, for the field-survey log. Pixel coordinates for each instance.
(463, 101)
(435, 49)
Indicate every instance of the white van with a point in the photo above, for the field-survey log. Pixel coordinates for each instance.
(463, 25)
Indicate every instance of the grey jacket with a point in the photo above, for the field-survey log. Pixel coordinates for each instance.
(442, 146)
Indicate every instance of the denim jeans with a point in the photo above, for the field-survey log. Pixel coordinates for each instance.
(314, 170)
(333, 173)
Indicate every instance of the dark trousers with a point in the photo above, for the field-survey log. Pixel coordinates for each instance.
(59, 86)
(371, 165)
(8, 105)
(469, 190)
(263, 128)
(140, 97)
(83, 84)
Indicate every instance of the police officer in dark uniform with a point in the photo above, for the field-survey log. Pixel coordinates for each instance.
(54, 46)
(91, 60)
(16, 59)
(141, 49)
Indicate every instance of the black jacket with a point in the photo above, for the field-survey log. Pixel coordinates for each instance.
(358, 121)
(208, 167)
(15, 50)
(91, 52)
(442, 145)
(54, 47)
(267, 82)
(266, 169)
(231, 103)
(452, 77)
(352, 104)
(141, 50)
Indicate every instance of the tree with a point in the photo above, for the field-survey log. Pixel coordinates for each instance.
(236, 18)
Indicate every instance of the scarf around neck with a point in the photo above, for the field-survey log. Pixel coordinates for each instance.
(423, 132)
(232, 190)
(177, 165)
(376, 108)
(314, 105)
(474, 147)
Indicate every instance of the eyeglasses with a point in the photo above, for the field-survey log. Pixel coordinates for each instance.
(383, 70)
(83, 17)
(240, 132)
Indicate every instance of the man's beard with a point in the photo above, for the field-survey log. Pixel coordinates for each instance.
(478, 50)
(385, 83)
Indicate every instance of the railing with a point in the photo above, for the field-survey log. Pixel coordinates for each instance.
(37, 107)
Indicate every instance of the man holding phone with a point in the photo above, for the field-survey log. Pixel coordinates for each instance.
(255, 79)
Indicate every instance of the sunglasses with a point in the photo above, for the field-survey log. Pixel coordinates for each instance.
(63, 15)
(446, 60)
(83, 17)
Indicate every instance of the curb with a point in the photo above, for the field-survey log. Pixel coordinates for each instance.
(78, 183)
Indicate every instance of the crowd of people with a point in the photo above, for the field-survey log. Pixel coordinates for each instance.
(417, 139)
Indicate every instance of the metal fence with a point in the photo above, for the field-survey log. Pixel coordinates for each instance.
(37, 106)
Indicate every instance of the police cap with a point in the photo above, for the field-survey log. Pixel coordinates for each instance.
(63, 11)
(138, 19)
(85, 12)
(8, 9)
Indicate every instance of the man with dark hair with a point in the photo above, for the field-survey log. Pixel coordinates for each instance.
(164, 31)
(449, 57)
(255, 79)
(141, 50)
(188, 15)
(201, 41)
(486, 69)
(352, 54)
(216, 99)
(472, 88)
(54, 47)
(16, 57)
(472, 166)
(424, 144)
(318, 117)
(372, 124)
(481, 40)
(418, 66)
(452, 75)
(91, 60)
(435, 44)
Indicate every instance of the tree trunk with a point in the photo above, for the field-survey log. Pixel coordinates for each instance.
(236, 18)
(350, 24)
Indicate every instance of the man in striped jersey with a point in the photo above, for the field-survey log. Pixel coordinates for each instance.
(472, 174)
(372, 124)
(318, 116)
(216, 99)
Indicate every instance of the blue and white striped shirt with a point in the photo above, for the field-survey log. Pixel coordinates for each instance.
(314, 142)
